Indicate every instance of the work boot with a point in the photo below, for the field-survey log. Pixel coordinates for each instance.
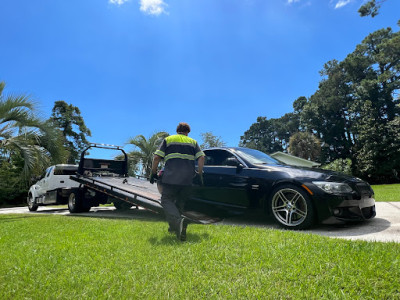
(181, 232)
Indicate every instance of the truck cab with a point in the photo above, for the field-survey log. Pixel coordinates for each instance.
(54, 186)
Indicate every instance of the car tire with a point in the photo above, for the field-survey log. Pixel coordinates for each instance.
(32, 206)
(291, 207)
(75, 203)
(122, 205)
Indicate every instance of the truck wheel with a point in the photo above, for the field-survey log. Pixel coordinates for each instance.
(122, 205)
(75, 203)
(32, 203)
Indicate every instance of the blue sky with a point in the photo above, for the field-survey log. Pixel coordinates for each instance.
(141, 66)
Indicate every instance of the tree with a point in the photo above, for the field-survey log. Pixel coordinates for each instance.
(271, 135)
(23, 134)
(261, 136)
(340, 165)
(354, 113)
(326, 113)
(354, 104)
(210, 140)
(144, 151)
(378, 148)
(375, 107)
(370, 8)
(305, 145)
(68, 119)
(18, 129)
(27, 144)
(298, 104)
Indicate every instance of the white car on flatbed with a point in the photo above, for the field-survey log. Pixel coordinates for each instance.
(54, 187)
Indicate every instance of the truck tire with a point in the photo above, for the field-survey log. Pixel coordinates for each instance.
(75, 203)
(32, 203)
(122, 205)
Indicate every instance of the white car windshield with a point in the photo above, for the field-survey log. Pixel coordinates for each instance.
(256, 157)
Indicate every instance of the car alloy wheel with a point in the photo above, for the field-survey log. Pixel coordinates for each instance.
(292, 208)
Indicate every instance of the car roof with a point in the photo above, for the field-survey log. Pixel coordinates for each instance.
(225, 148)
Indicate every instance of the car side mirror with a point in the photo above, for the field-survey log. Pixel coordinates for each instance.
(239, 168)
(231, 161)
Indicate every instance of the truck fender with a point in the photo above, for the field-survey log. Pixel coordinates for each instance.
(33, 190)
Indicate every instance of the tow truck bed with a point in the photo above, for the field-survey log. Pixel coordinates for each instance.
(137, 192)
(129, 189)
(105, 179)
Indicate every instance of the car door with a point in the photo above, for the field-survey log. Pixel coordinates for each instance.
(226, 185)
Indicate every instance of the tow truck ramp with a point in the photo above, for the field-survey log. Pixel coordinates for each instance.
(106, 179)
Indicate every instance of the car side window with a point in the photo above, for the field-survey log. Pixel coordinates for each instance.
(65, 170)
(219, 158)
(48, 171)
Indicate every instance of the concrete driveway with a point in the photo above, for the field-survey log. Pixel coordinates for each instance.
(385, 227)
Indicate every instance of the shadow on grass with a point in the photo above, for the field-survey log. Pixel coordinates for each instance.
(13, 218)
(172, 240)
(131, 214)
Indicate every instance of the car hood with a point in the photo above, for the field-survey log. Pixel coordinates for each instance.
(311, 173)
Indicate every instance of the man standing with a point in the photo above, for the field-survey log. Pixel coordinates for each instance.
(179, 153)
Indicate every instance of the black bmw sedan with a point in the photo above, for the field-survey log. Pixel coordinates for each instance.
(238, 179)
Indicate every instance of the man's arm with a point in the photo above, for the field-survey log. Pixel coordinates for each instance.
(200, 164)
(156, 161)
(153, 175)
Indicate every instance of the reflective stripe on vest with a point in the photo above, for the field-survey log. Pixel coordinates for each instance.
(180, 156)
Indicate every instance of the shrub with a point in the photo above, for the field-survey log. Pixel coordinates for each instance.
(340, 165)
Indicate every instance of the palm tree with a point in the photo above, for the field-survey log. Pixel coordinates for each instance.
(23, 135)
(144, 150)
(305, 145)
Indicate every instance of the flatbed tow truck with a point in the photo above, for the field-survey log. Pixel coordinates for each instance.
(103, 181)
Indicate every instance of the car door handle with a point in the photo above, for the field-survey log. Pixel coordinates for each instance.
(237, 184)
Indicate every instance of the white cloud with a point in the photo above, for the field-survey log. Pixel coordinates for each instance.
(117, 2)
(152, 7)
(342, 3)
(292, 1)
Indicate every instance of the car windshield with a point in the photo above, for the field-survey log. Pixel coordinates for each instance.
(256, 157)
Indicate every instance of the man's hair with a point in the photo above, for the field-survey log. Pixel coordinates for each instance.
(183, 127)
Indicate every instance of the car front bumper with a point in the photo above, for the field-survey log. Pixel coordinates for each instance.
(345, 210)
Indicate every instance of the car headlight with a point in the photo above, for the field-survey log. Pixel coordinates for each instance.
(333, 187)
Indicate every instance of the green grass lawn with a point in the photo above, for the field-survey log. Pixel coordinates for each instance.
(387, 192)
(65, 257)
